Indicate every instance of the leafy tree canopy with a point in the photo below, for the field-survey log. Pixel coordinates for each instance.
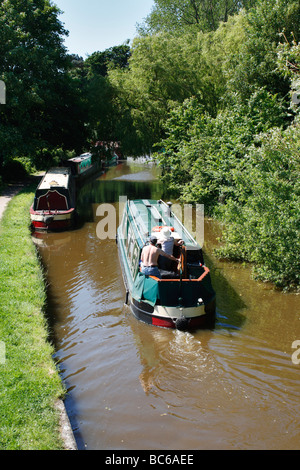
(198, 15)
(41, 99)
(99, 62)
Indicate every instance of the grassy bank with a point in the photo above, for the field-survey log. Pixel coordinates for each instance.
(29, 381)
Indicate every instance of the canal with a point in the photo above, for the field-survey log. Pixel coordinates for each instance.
(132, 386)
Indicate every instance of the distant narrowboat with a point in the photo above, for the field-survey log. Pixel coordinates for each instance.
(53, 207)
(81, 166)
(183, 297)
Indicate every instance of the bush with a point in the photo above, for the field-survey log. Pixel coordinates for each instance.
(262, 221)
(14, 170)
(47, 158)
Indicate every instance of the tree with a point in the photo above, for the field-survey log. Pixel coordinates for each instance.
(99, 63)
(255, 63)
(41, 98)
(163, 71)
(198, 15)
(96, 91)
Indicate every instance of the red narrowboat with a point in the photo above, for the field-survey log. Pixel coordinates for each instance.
(53, 208)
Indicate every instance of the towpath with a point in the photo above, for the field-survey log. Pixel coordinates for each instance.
(8, 194)
(14, 188)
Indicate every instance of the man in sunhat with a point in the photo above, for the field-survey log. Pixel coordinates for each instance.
(167, 242)
(149, 258)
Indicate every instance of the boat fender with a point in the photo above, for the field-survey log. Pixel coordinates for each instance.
(48, 219)
(126, 298)
(159, 227)
(182, 324)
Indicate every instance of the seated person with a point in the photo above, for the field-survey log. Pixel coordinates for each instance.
(167, 243)
(149, 258)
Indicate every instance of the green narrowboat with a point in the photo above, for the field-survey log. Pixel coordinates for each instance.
(81, 166)
(183, 296)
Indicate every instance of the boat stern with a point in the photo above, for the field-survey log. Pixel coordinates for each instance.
(173, 303)
(51, 220)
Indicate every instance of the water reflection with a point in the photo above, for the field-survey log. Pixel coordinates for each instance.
(130, 180)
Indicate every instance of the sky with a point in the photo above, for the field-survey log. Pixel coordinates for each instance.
(96, 25)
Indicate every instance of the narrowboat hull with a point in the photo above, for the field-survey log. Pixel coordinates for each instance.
(52, 221)
(171, 301)
(172, 317)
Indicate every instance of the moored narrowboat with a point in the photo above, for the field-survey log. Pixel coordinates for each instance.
(182, 296)
(81, 166)
(53, 207)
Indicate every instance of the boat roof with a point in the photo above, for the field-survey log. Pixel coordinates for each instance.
(55, 177)
(83, 156)
(149, 214)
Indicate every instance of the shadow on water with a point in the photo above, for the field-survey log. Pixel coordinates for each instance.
(229, 303)
(72, 411)
(101, 191)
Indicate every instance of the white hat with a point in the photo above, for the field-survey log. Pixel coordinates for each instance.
(165, 233)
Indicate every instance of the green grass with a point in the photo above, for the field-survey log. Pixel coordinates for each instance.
(29, 381)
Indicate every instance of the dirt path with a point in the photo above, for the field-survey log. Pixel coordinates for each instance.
(8, 194)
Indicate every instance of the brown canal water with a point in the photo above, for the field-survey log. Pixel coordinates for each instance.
(133, 386)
